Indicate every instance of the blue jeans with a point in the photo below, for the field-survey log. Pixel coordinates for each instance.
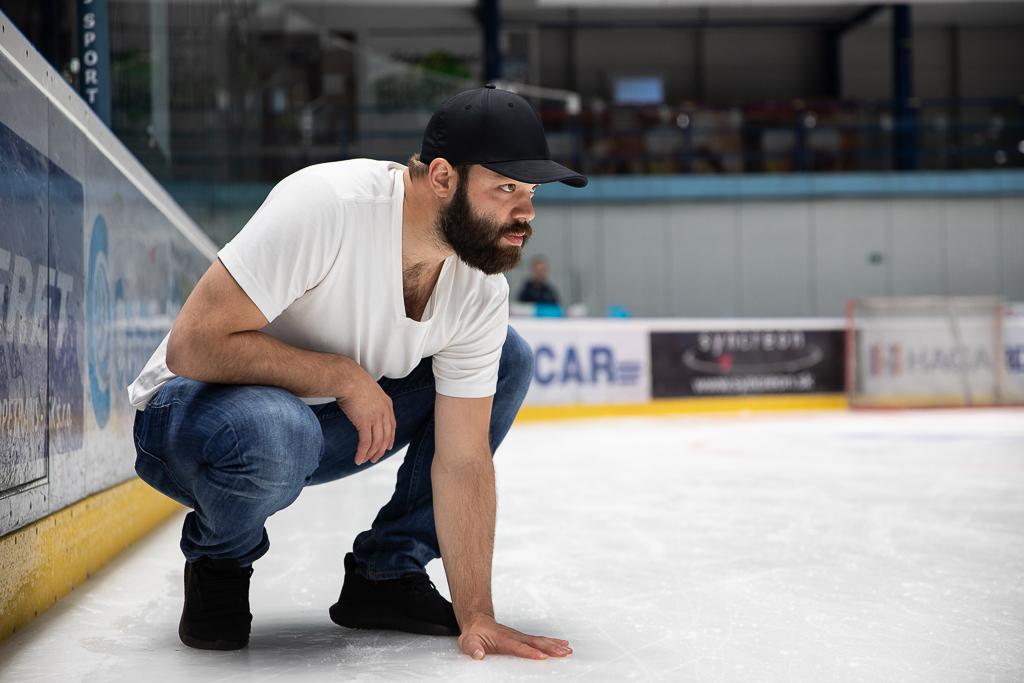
(237, 454)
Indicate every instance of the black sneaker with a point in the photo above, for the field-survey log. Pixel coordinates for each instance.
(410, 603)
(216, 614)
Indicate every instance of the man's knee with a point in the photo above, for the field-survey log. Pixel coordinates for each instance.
(515, 370)
(278, 440)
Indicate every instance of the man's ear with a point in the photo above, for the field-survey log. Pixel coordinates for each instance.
(442, 178)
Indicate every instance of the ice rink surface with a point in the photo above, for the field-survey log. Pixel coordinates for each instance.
(797, 547)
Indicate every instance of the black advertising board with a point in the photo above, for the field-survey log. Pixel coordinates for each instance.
(741, 362)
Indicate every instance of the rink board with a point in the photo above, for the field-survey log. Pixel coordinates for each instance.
(95, 262)
(658, 361)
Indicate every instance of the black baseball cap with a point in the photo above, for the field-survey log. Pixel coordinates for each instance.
(497, 129)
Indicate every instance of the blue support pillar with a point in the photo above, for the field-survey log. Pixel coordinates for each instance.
(490, 17)
(833, 75)
(904, 116)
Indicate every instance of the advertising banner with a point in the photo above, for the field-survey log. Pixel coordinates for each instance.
(24, 290)
(740, 362)
(597, 361)
(929, 356)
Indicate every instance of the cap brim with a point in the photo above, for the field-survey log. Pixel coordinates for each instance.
(538, 171)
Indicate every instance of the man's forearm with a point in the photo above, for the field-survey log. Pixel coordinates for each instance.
(254, 357)
(464, 514)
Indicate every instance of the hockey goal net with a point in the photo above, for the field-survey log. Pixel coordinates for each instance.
(906, 352)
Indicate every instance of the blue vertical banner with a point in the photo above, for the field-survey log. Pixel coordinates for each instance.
(24, 279)
(94, 48)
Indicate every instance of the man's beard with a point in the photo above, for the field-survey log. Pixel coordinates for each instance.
(477, 239)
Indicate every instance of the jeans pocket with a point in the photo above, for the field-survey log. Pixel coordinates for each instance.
(150, 464)
(150, 423)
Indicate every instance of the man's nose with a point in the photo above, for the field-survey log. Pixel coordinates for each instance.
(523, 210)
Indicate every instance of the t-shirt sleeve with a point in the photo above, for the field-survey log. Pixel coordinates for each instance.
(289, 244)
(468, 366)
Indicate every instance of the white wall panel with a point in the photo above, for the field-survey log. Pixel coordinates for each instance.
(917, 253)
(846, 235)
(1011, 234)
(587, 248)
(972, 243)
(635, 257)
(775, 259)
(703, 244)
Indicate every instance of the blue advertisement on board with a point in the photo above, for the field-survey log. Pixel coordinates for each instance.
(41, 311)
(23, 237)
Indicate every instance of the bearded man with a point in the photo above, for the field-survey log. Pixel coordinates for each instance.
(361, 310)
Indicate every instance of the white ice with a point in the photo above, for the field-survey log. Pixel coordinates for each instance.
(803, 547)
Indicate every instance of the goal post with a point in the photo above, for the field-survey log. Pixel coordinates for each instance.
(910, 352)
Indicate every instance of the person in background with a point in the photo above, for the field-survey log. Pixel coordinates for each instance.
(537, 289)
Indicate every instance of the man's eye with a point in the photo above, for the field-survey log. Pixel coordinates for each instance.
(507, 187)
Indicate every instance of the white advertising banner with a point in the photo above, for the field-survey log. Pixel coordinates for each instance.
(949, 359)
(587, 361)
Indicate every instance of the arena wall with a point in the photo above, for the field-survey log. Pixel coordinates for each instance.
(720, 247)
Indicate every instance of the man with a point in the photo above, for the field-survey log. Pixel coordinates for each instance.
(361, 309)
(537, 289)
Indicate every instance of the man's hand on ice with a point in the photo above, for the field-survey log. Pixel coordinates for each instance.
(484, 636)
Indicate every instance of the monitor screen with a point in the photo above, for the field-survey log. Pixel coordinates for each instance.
(639, 90)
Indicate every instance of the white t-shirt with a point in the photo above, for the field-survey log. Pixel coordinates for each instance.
(322, 259)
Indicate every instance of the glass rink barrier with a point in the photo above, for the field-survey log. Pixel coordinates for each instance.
(95, 262)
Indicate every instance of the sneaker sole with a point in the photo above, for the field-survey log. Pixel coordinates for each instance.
(211, 644)
(383, 618)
